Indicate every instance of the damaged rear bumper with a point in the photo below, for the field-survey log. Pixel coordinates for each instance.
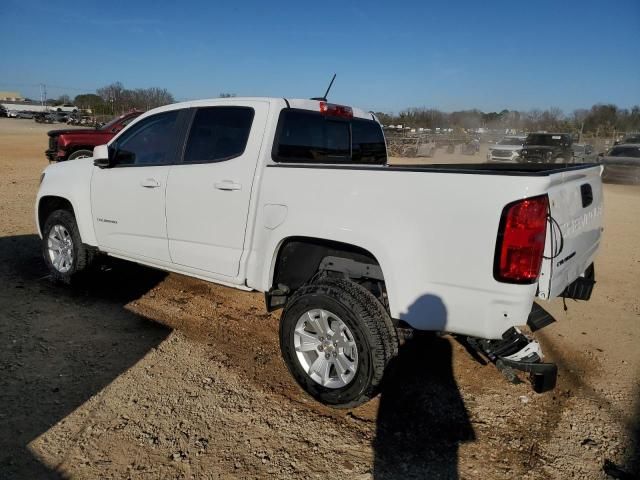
(514, 353)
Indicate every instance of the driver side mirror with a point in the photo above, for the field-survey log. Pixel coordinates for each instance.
(101, 156)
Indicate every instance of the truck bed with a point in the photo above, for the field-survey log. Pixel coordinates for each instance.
(434, 235)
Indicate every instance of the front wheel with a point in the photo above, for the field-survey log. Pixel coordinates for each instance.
(64, 253)
(81, 154)
(336, 339)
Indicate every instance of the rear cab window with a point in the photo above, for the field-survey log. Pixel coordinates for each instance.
(304, 136)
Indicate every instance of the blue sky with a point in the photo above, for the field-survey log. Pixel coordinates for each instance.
(388, 55)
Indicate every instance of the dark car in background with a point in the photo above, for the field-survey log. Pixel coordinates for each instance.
(621, 164)
(628, 139)
(547, 148)
(72, 143)
(56, 117)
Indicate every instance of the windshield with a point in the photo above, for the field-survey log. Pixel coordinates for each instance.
(511, 141)
(625, 152)
(546, 140)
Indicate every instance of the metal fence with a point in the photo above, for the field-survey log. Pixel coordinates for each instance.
(424, 144)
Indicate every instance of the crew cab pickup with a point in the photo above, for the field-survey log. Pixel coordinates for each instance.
(295, 198)
(73, 143)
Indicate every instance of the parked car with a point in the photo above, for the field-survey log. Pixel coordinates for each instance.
(583, 153)
(56, 117)
(633, 138)
(507, 149)
(25, 115)
(547, 148)
(621, 164)
(294, 198)
(70, 144)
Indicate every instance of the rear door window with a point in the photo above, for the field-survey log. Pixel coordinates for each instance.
(218, 134)
(310, 137)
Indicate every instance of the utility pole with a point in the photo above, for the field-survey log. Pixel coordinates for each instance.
(581, 130)
(43, 94)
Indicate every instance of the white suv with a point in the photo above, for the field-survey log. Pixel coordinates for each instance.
(506, 150)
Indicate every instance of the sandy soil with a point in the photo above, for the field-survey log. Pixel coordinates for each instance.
(140, 374)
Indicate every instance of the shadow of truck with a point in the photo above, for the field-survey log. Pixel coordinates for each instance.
(61, 345)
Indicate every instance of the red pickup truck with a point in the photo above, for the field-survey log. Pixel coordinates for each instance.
(72, 143)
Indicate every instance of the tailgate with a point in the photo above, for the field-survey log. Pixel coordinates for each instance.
(574, 230)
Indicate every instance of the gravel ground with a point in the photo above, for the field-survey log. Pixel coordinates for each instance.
(142, 374)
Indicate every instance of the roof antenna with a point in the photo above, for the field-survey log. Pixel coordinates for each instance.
(324, 98)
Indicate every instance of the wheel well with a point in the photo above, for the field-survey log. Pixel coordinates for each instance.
(48, 205)
(300, 259)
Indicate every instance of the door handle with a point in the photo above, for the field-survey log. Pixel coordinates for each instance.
(227, 185)
(149, 183)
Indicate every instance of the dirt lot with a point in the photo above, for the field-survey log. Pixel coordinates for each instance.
(140, 374)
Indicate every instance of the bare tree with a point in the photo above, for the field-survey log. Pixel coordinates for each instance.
(602, 119)
(119, 99)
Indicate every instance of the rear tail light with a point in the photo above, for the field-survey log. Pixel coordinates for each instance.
(336, 110)
(521, 239)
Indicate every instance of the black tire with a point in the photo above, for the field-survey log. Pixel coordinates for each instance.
(370, 325)
(81, 154)
(82, 255)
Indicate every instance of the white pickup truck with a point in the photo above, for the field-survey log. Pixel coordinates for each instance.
(295, 198)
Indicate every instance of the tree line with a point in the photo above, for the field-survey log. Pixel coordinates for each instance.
(600, 119)
(116, 99)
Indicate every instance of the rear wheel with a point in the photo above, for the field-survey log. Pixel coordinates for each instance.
(81, 154)
(336, 339)
(64, 253)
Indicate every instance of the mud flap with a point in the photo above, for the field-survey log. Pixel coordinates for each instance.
(582, 287)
